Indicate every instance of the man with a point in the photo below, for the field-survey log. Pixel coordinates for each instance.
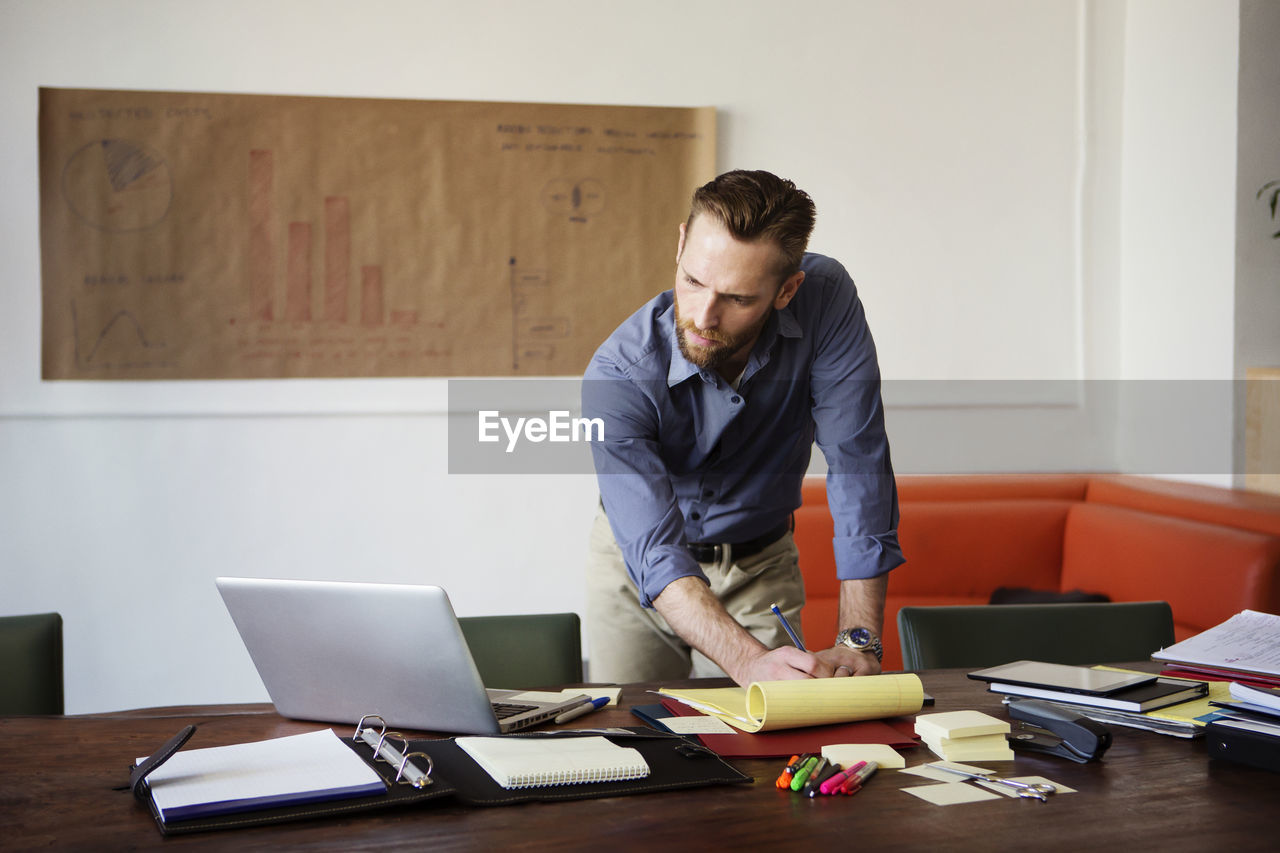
(712, 395)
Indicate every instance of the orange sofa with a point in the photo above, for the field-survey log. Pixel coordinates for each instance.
(1210, 552)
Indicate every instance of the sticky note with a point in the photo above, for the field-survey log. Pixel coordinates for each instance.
(950, 795)
(959, 724)
(849, 754)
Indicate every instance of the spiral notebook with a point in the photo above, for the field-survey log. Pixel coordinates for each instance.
(534, 762)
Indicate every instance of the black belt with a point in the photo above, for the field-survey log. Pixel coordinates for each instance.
(711, 552)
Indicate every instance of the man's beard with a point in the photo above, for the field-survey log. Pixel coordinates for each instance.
(727, 346)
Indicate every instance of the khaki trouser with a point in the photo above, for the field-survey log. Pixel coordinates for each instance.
(627, 643)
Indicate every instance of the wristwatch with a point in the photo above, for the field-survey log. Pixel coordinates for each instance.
(861, 640)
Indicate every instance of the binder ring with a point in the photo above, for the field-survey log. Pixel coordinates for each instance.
(360, 725)
(424, 778)
(404, 741)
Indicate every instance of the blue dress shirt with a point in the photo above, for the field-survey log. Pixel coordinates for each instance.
(688, 458)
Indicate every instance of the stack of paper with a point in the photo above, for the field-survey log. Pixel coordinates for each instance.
(965, 736)
(1244, 648)
(1264, 700)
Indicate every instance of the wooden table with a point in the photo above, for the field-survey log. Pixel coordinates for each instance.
(62, 786)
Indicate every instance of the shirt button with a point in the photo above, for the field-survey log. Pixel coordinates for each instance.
(695, 515)
(735, 399)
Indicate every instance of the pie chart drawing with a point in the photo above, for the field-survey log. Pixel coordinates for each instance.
(118, 185)
(579, 200)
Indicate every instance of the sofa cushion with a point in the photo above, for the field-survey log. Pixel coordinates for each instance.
(957, 552)
(968, 548)
(1128, 554)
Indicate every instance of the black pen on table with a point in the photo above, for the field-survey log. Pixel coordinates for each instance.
(786, 626)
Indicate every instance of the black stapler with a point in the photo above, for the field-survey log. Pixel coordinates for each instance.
(1057, 731)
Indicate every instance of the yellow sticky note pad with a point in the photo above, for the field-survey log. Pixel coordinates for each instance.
(849, 754)
(959, 724)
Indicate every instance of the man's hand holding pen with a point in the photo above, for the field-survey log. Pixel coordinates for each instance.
(839, 661)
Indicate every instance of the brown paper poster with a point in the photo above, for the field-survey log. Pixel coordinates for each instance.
(193, 236)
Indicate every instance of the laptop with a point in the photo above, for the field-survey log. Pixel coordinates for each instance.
(335, 651)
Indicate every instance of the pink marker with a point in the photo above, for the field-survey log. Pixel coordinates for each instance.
(833, 785)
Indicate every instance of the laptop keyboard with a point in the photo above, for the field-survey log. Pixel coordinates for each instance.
(508, 709)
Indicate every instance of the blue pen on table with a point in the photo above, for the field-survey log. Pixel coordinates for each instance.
(786, 626)
(585, 708)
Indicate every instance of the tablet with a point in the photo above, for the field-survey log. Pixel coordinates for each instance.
(1056, 676)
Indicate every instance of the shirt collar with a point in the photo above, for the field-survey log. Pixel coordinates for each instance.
(680, 367)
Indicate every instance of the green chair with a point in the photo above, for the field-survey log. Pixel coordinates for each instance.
(31, 664)
(525, 652)
(991, 634)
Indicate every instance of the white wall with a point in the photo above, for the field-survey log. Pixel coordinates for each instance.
(1178, 222)
(966, 161)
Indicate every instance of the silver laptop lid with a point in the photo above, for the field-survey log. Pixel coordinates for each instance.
(335, 651)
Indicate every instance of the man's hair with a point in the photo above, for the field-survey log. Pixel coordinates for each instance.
(759, 206)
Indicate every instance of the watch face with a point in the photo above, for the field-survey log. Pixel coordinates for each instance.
(860, 637)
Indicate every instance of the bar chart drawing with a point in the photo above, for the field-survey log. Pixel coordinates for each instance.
(336, 254)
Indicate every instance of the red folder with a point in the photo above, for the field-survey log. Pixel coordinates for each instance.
(1211, 673)
(898, 732)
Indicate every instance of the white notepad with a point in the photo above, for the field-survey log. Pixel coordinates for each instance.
(532, 762)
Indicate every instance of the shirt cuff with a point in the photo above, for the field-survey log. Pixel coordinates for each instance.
(664, 564)
(861, 557)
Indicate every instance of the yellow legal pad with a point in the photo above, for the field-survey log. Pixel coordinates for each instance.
(769, 705)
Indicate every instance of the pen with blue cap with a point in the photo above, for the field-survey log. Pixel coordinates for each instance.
(585, 708)
(786, 626)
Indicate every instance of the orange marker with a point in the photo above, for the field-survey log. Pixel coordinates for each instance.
(784, 780)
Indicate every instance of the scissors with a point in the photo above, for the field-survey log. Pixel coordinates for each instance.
(1031, 790)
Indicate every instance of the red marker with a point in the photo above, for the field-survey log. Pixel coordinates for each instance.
(853, 785)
